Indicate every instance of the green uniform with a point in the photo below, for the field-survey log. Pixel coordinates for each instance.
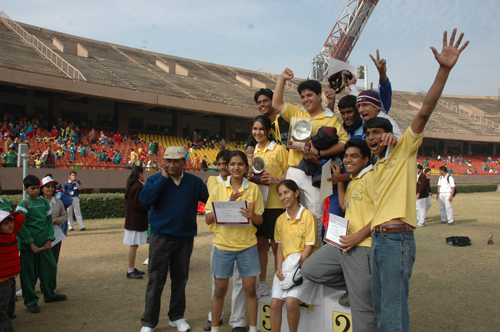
(37, 229)
(11, 159)
(5, 205)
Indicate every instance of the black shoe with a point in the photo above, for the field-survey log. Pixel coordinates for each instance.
(139, 272)
(239, 329)
(34, 308)
(133, 275)
(450, 224)
(83, 229)
(208, 325)
(58, 298)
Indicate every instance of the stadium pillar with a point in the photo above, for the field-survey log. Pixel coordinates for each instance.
(225, 128)
(122, 117)
(494, 149)
(177, 118)
(55, 107)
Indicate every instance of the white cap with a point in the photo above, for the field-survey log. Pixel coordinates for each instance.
(46, 180)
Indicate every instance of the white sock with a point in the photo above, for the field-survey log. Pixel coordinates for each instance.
(253, 328)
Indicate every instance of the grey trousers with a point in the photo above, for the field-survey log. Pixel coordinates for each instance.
(346, 271)
(162, 255)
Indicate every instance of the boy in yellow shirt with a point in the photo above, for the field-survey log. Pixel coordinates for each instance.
(393, 243)
(350, 268)
(310, 94)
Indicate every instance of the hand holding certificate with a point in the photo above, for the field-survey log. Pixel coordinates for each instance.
(337, 227)
(232, 213)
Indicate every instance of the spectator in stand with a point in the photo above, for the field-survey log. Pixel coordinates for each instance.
(136, 219)
(117, 137)
(223, 144)
(54, 133)
(491, 170)
(204, 165)
(496, 172)
(451, 170)
(117, 158)
(83, 151)
(102, 156)
(60, 153)
(73, 187)
(93, 139)
(475, 170)
(49, 158)
(488, 160)
(196, 161)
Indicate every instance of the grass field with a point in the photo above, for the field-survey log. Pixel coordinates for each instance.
(452, 288)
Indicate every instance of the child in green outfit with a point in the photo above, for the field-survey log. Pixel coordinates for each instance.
(37, 260)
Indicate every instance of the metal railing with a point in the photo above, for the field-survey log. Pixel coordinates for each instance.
(478, 118)
(64, 66)
(288, 85)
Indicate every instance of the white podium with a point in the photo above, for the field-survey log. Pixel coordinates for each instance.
(329, 316)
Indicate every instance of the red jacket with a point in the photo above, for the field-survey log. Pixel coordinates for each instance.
(10, 265)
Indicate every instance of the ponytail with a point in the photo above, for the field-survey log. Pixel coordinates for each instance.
(134, 176)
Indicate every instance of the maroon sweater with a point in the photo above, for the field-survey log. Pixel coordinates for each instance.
(136, 214)
(10, 266)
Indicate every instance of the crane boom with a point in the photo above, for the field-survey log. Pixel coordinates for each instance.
(344, 35)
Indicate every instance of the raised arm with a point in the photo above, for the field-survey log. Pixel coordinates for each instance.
(384, 86)
(446, 59)
(278, 102)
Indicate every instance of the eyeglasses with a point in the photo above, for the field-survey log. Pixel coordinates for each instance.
(263, 101)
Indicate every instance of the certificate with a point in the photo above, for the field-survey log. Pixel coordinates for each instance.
(264, 189)
(326, 188)
(229, 214)
(337, 226)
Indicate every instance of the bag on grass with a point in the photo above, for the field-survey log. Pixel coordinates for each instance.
(460, 241)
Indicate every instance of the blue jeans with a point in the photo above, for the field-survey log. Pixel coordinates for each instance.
(392, 260)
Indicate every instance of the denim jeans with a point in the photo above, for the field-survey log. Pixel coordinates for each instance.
(393, 255)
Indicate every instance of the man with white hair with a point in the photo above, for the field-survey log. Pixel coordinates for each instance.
(173, 196)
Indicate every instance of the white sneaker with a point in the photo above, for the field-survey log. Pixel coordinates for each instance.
(180, 324)
(147, 329)
(146, 262)
(19, 293)
(262, 289)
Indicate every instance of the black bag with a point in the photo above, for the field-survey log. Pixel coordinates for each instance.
(455, 192)
(460, 241)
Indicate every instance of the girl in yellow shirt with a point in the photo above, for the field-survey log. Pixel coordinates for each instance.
(236, 243)
(276, 159)
(295, 235)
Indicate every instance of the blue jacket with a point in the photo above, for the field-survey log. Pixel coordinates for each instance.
(173, 208)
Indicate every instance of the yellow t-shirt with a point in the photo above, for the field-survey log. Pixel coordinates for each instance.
(327, 118)
(395, 184)
(295, 235)
(235, 238)
(276, 158)
(359, 198)
(211, 183)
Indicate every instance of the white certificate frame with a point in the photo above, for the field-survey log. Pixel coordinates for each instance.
(228, 214)
(337, 226)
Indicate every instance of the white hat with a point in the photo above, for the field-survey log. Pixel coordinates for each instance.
(4, 215)
(174, 152)
(46, 180)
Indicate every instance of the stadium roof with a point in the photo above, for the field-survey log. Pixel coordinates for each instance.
(150, 79)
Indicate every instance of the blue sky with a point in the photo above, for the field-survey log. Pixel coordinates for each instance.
(275, 34)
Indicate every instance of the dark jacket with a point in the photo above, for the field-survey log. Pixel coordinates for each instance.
(423, 186)
(136, 214)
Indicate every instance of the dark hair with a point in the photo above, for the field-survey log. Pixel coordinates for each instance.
(238, 153)
(48, 174)
(266, 122)
(290, 184)
(41, 193)
(443, 168)
(134, 176)
(72, 172)
(267, 92)
(30, 181)
(347, 101)
(361, 145)
(312, 85)
(223, 154)
(427, 170)
(420, 166)
(378, 122)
